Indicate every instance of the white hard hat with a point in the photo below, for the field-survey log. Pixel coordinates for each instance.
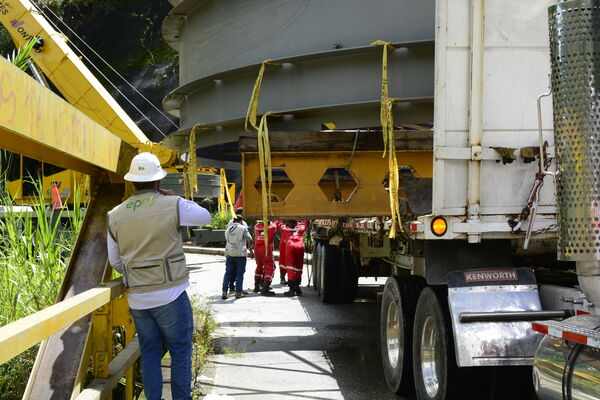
(145, 167)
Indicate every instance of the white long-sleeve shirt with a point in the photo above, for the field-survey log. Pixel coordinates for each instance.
(190, 214)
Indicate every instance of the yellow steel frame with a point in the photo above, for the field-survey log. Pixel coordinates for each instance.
(112, 315)
(109, 306)
(73, 79)
(67, 181)
(66, 71)
(20, 335)
(38, 124)
(226, 195)
(306, 199)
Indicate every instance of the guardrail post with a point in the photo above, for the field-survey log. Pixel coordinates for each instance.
(122, 317)
(102, 341)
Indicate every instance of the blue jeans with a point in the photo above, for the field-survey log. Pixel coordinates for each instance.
(170, 325)
(234, 266)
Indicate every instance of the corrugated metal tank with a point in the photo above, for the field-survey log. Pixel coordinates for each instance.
(329, 72)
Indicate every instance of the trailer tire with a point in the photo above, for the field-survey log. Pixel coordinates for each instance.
(330, 272)
(398, 306)
(316, 278)
(319, 277)
(437, 377)
(348, 277)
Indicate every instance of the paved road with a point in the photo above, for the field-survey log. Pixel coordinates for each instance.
(289, 348)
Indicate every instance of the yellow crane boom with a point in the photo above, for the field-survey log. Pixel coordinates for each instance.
(72, 77)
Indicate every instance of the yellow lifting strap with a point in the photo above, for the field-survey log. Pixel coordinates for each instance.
(225, 195)
(264, 160)
(387, 127)
(253, 106)
(264, 149)
(192, 173)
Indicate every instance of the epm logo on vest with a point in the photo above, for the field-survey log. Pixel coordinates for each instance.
(140, 202)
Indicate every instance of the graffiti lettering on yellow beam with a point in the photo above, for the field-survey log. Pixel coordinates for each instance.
(32, 111)
(8, 99)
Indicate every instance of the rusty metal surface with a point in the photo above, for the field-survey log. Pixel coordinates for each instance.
(60, 362)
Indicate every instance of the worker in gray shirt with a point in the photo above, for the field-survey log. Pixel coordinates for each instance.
(238, 212)
(238, 247)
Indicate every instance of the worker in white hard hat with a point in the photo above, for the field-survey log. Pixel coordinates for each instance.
(145, 245)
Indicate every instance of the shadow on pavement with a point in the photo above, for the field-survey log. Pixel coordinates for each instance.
(345, 334)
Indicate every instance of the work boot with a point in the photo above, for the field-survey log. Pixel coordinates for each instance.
(266, 289)
(243, 292)
(282, 276)
(240, 295)
(298, 291)
(224, 296)
(292, 291)
(257, 283)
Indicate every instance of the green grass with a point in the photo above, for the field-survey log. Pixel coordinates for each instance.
(202, 340)
(33, 256)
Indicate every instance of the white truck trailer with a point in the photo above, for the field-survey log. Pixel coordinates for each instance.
(497, 262)
(486, 278)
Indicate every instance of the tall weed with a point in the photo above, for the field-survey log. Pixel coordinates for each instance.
(202, 341)
(35, 245)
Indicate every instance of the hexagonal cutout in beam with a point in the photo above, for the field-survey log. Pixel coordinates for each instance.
(280, 187)
(338, 184)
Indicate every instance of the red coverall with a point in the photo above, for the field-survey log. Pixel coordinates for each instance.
(285, 235)
(264, 263)
(294, 250)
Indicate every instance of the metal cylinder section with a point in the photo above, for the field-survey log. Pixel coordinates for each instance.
(327, 71)
(575, 60)
(565, 370)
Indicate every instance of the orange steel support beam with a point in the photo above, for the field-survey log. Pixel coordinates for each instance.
(303, 197)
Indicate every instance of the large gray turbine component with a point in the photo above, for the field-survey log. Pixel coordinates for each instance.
(329, 72)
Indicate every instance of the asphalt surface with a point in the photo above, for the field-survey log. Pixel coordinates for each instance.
(289, 348)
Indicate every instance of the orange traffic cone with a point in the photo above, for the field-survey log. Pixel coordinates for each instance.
(56, 201)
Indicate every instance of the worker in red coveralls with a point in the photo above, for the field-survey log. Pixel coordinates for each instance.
(284, 237)
(263, 274)
(294, 255)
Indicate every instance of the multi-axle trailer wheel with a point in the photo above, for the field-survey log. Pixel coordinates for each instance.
(335, 274)
(396, 330)
(417, 347)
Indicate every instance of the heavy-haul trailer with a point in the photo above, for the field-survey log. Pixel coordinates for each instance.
(482, 267)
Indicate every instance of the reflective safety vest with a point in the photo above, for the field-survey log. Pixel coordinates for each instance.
(146, 227)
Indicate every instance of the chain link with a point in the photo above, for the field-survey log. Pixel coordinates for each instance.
(534, 195)
(544, 230)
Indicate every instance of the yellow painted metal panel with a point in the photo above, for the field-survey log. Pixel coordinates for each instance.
(66, 71)
(20, 335)
(122, 317)
(37, 123)
(100, 389)
(307, 199)
(102, 341)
